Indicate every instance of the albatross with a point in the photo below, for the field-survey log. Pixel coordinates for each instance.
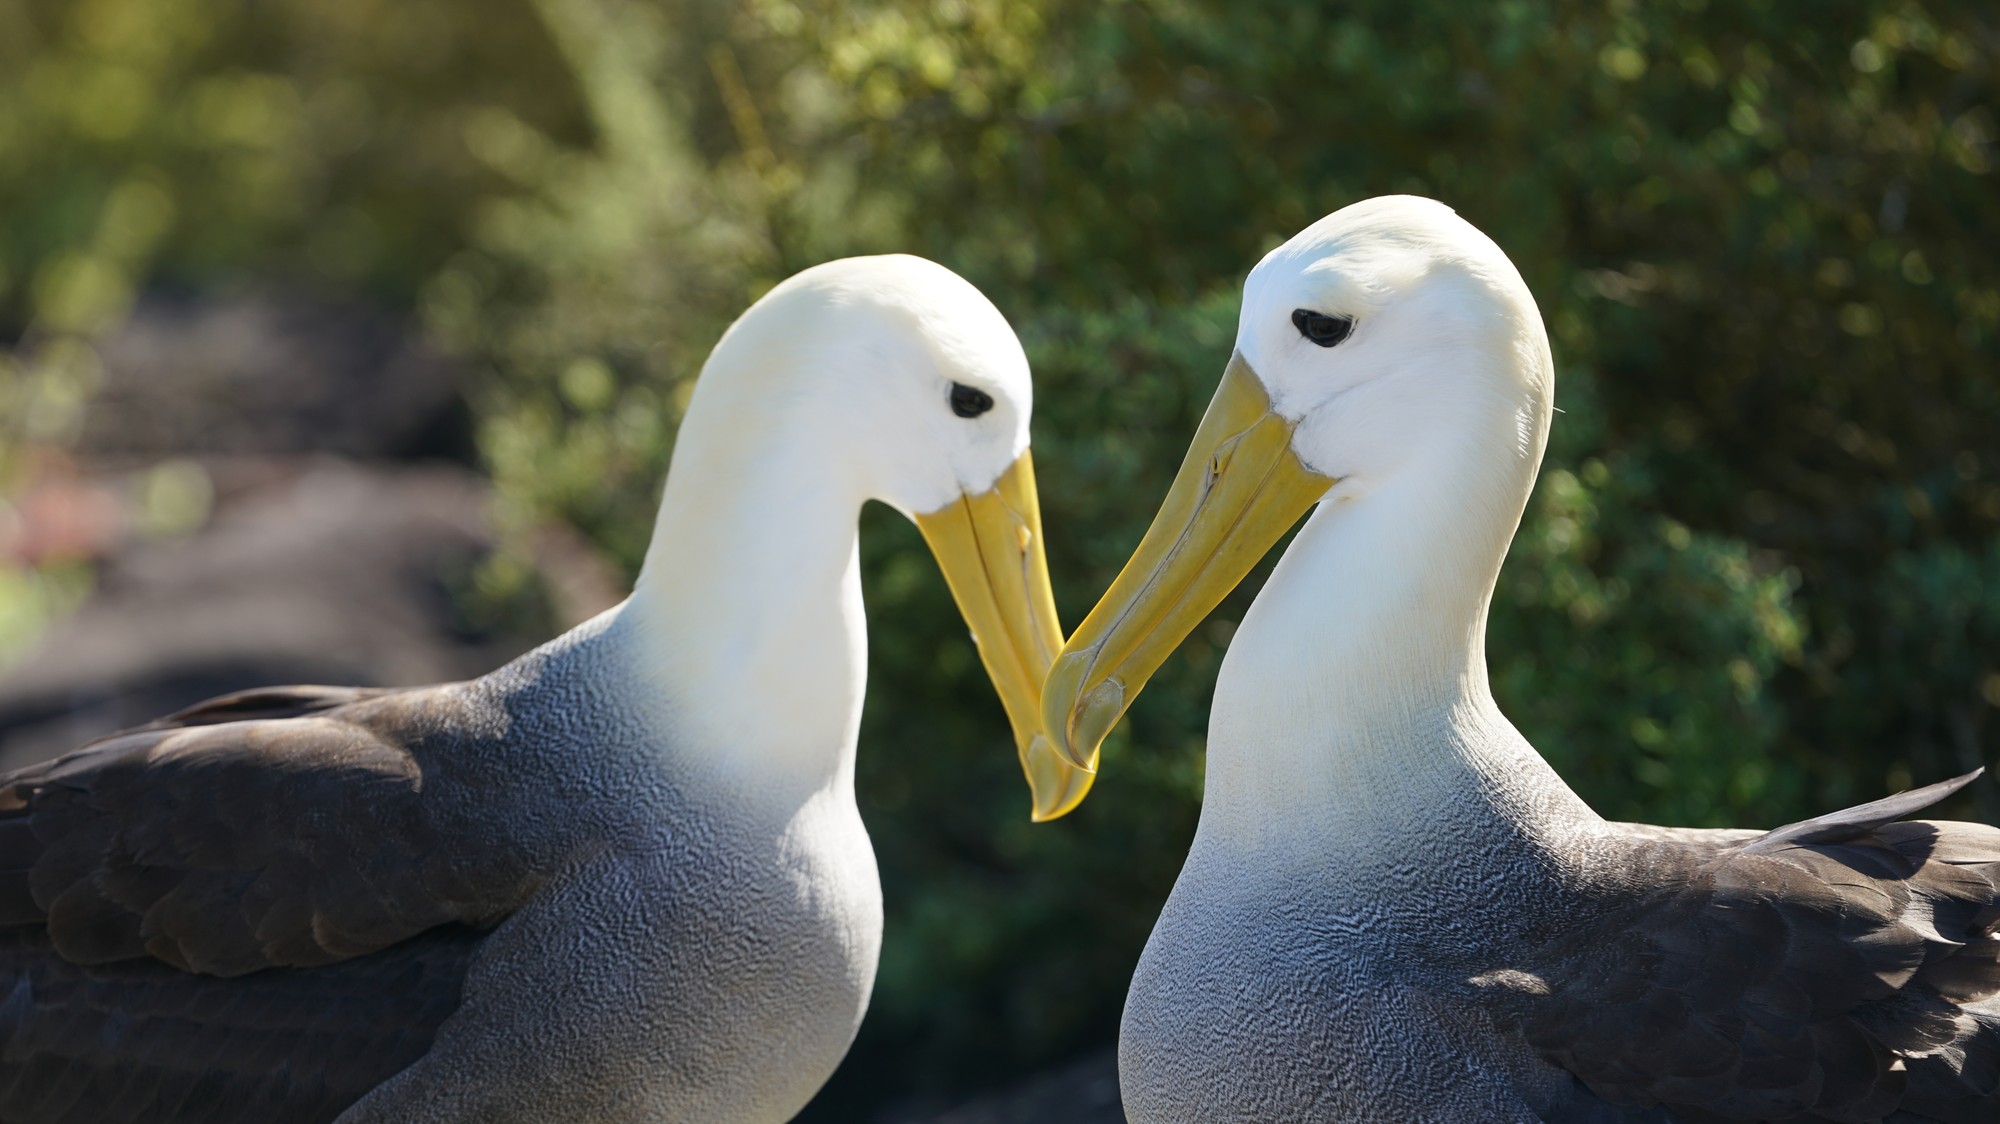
(622, 878)
(1393, 909)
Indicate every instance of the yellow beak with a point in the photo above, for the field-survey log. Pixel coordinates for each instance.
(990, 548)
(1239, 490)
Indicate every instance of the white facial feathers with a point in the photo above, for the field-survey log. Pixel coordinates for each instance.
(858, 358)
(1447, 344)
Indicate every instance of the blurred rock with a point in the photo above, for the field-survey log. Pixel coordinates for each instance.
(265, 486)
(58, 513)
(269, 373)
(1085, 1093)
(311, 570)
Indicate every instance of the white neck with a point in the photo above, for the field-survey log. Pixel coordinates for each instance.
(747, 616)
(1353, 704)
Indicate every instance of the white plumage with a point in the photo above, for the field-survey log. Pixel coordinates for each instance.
(1393, 909)
(621, 879)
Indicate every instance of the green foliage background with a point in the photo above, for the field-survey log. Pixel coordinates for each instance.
(1761, 574)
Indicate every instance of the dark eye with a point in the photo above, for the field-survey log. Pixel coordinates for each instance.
(969, 401)
(1320, 328)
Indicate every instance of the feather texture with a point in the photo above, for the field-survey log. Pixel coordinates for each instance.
(141, 1041)
(1827, 970)
(1393, 908)
(246, 911)
(276, 828)
(621, 879)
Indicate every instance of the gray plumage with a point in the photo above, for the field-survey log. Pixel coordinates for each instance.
(1840, 969)
(623, 878)
(269, 905)
(1394, 910)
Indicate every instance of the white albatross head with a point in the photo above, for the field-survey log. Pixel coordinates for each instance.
(892, 378)
(1390, 337)
(920, 374)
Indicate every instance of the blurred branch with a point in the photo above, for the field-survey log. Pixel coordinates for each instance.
(614, 47)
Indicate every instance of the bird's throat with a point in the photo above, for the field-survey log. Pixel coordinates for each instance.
(1353, 703)
(748, 613)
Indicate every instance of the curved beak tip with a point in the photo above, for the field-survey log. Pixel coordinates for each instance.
(1073, 709)
(1091, 722)
(1240, 488)
(1055, 810)
(989, 547)
(1057, 787)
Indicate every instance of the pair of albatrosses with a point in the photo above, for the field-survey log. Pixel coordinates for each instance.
(1394, 911)
(623, 879)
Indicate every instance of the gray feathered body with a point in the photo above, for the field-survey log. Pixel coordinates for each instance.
(622, 879)
(1394, 910)
(1280, 985)
(503, 900)
(1841, 969)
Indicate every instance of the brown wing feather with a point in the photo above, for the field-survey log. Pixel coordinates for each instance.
(1835, 970)
(264, 703)
(276, 828)
(138, 1041)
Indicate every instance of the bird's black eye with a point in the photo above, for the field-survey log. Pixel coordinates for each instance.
(969, 401)
(1320, 328)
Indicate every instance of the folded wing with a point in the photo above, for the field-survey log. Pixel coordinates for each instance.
(1839, 969)
(254, 910)
(138, 1042)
